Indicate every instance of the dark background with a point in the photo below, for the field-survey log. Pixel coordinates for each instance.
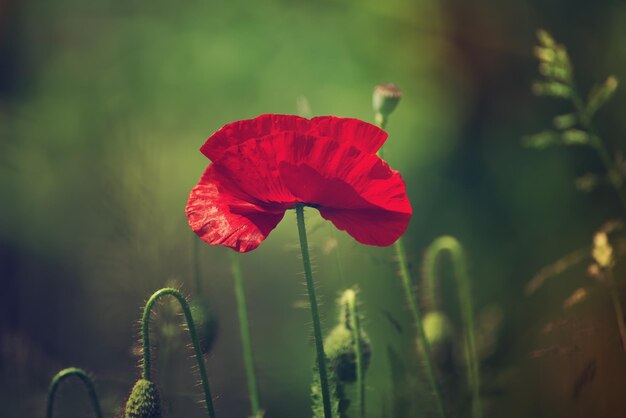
(104, 104)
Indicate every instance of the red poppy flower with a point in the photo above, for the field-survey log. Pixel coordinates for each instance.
(262, 167)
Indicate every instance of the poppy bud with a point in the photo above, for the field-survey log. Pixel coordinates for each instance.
(205, 320)
(385, 99)
(143, 401)
(340, 349)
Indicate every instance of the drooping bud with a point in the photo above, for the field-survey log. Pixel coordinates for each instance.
(206, 323)
(144, 401)
(385, 99)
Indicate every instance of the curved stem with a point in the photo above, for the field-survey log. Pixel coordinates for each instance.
(244, 329)
(145, 333)
(355, 326)
(84, 377)
(453, 246)
(317, 327)
(405, 277)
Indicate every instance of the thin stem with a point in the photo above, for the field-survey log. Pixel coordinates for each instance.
(196, 265)
(355, 326)
(452, 245)
(244, 329)
(617, 307)
(614, 177)
(145, 334)
(84, 377)
(405, 277)
(317, 327)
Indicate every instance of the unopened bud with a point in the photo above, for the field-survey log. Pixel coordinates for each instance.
(340, 350)
(144, 401)
(385, 99)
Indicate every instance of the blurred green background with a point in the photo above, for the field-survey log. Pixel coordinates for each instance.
(104, 104)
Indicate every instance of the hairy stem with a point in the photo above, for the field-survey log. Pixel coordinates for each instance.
(355, 326)
(452, 245)
(405, 277)
(244, 329)
(84, 377)
(317, 327)
(145, 334)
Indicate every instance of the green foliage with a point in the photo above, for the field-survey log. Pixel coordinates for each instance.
(558, 81)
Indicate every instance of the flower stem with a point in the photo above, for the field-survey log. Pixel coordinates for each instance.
(244, 329)
(453, 246)
(84, 377)
(145, 333)
(355, 325)
(405, 277)
(317, 327)
(614, 176)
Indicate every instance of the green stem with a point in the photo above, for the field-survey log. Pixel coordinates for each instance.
(145, 334)
(615, 178)
(196, 265)
(84, 377)
(453, 246)
(405, 277)
(244, 329)
(317, 327)
(355, 326)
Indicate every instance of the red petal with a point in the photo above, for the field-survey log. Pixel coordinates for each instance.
(355, 190)
(222, 219)
(349, 131)
(243, 130)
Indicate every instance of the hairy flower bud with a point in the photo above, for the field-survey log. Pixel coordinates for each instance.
(339, 346)
(143, 401)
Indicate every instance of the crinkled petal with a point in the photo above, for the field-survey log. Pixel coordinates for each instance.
(241, 131)
(355, 190)
(348, 131)
(222, 219)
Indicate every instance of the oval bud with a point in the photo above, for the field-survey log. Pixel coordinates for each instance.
(143, 401)
(340, 349)
(385, 98)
